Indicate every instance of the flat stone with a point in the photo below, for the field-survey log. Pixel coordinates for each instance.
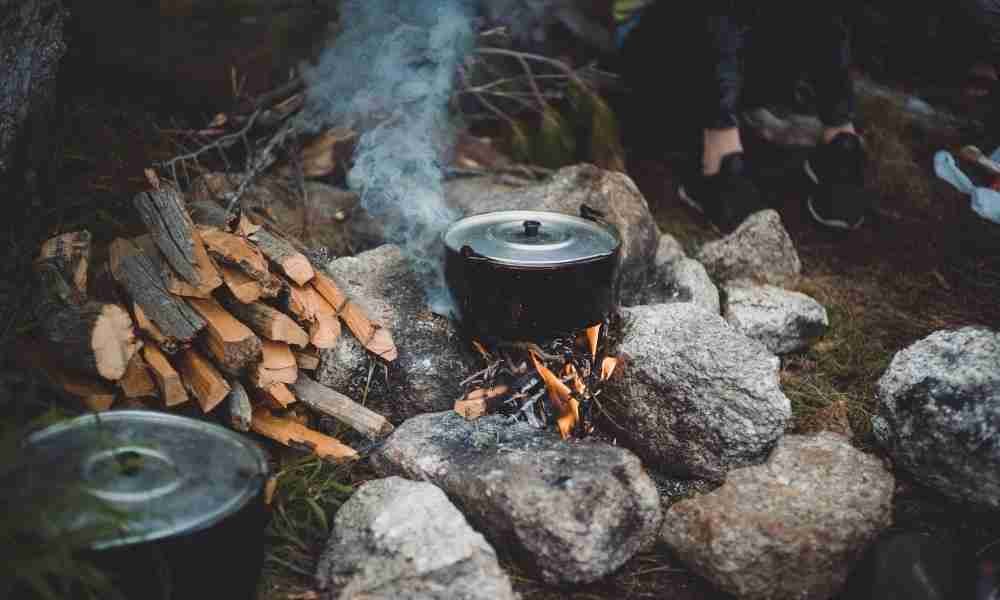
(423, 377)
(696, 397)
(396, 538)
(573, 511)
(759, 250)
(783, 320)
(790, 528)
(681, 280)
(938, 414)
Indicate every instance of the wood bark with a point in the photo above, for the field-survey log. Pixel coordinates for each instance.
(162, 211)
(71, 254)
(151, 332)
(331, 402)
(168, 380)
(268, 322)
(203, 380)
(134, 271)
(292, 262)
(307, 359)
(238, 403)
(296, 435)
(95, 338)
(208, 213)
(137, 381)
(239, 253)
(172, 281)
(231, 343)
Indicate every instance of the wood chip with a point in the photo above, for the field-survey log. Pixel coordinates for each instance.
(295, 435)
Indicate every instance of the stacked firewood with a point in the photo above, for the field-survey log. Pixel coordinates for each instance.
(217, 309)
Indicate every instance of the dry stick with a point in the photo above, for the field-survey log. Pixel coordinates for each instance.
(137, 274)
(238, 403)
(296, 435)
(237, 252)
(162, 211)
(293, 263)
(375, 338)
(202, 379)
(229, 341)
(168, 380)
(71, 253)
(137, 381)
(330, 402)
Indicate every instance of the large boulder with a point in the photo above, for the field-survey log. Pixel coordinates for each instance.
(938, 413)
(396, 538)
(574, 511)
(423, 377)
(783, 320)
(668, 250)
(680, 280)
(609, 192)
(31, 47)
(696, 398)
(787, 529)
(759, 250)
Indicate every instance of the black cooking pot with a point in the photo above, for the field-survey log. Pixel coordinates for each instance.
(532, 275)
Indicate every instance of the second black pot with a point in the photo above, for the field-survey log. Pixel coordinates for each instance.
(531, 275)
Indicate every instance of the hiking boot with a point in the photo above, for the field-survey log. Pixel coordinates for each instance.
(838, 198)
(726, 198)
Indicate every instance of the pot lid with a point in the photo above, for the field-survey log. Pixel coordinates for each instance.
(158, 474)
(532, 238)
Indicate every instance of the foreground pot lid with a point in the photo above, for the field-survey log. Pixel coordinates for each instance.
(160, 474)
(532, 238)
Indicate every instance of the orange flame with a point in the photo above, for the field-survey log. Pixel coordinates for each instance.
(480, 349)
(578, 386)
(561, 397)
(592, 334)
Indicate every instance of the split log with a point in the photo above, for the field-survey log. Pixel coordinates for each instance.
(269, 322)
(90, 393)
(292, 262)
(162, 211)
(324, 331)
(136, 273)
(245, 227)
(298, 301)
(208, 213)
(374, 337)
(238, 403)
(235, 251)
(71, 253)
(478, 403)
(95, 338)
(202, 380)
(229, 341)
(137, 381)
(307, 359)
(168, 380)
(152, 332)
(275, 395)
(331, 402)
(295, 435)
(277, 365)
(241, 285)
(173, 282)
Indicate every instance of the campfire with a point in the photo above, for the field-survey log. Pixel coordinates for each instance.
(552, 385)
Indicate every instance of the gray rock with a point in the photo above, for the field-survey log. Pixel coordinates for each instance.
(938, 413)
(759, 250)
(683, 280)
(787, 529)
(572, 510)
(612, 193)
(696, 397)
(423, 377)
(396, 538)
(668, 250)
(782, 320)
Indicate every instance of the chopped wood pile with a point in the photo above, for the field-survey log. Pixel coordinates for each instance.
(222, 311)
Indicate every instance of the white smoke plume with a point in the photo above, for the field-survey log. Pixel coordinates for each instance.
(390, 75)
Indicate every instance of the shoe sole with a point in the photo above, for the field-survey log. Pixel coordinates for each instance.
(833, 223)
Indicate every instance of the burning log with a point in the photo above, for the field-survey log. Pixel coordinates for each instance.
(202, 379)
(295, 435)
(238, 403)
(230, 342)
(372, 336)
(137, 381)
(131, 268)
(70, 252)
(330, 402)
(168, 380)
(292, 262)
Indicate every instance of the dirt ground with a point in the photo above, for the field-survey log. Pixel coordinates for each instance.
(923, 263)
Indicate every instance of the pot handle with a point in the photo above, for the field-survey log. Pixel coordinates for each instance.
(467, 253)
(591, 214)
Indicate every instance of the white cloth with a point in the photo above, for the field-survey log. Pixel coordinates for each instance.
(985, 202)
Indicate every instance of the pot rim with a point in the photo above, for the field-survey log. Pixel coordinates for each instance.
(467, 253)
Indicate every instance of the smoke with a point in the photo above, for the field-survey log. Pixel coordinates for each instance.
(390, 75)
